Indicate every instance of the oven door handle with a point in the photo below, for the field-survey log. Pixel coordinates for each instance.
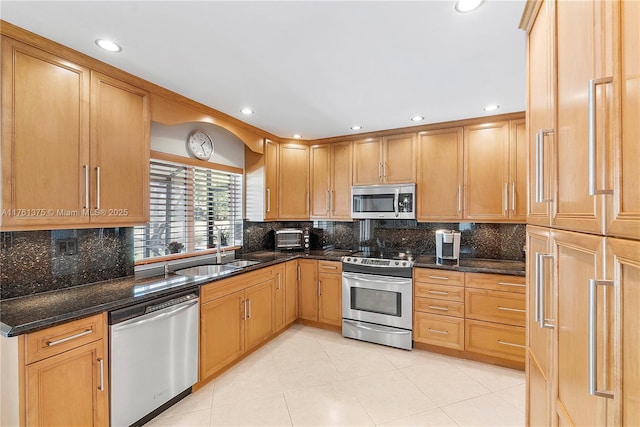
(387, 330)
(373, 278)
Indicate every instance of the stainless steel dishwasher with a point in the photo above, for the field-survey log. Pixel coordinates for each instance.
(153, 355)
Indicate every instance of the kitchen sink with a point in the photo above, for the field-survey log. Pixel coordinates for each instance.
(242, 263)
(208, 270)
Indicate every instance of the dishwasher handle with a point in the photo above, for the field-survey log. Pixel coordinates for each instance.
(167, 312)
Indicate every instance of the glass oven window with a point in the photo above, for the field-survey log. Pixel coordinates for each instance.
(376, 301)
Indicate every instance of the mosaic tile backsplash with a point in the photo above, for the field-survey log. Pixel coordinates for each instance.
(488, 241)
(39, 261)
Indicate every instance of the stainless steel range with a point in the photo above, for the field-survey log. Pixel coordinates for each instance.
(377, 298)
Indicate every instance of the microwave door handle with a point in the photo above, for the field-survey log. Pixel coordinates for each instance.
(396, 198)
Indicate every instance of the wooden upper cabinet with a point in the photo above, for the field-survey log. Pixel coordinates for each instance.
(398, 159)
(293, 200)
(367, 167)
(119, 151)
(541, 115)
(517, 191)
(272, 163)
(45, 138)
(440, 175)
(486, 171)
(331, 180)
(320, 182)
(623, 208)
(261, 179)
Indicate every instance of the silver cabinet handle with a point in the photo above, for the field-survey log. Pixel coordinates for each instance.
(69, 338)
(437, 307)
(593, 343)
(306, 195)
(459, 198)
(540, 165)
(268, 200)
(98, 187)
(519, 285)
(330, 267)
(513, 197)
(438, 277)
(101, 363)
(510, 344)
(396, 207)
(278, 281)
(438, 292)
(249, 313)
(331, 201)
(326, 201)
(592, 134)
(505, 198)
(244, 309)
(438, 331)
(319, 288)
(517, 310)
(539, 290)
(384, 169)
(86, 186)
(298, 273)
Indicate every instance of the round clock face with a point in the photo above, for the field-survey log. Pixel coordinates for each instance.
(200, 145)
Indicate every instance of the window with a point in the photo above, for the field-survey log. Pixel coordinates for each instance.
(188, 206)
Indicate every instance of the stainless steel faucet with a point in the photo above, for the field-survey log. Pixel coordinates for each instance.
(219, 243)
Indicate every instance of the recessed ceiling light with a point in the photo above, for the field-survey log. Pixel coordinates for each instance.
(356, 127)
(417, 118)
(248, 111)
(491, 107)
(464, 6)
(297, 136)
(109, 45)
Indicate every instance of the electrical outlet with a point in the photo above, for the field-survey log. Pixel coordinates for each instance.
(67, 246)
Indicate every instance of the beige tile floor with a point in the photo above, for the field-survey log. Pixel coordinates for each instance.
(312, 377)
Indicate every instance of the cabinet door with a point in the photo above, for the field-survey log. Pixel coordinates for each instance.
(330, 299)
(341, 165)
(291, 292)
(271, 166)
(623, 268)
(440, 175)
(540, 110)
(279, 302)
(221, 332)
(540, 343)
(308, 289)
(120, 124)
(518, 171)
(623, 209)
(580, 28)
(259, 319)
(486, 171)
(45, 138)
(69, 389)
(578, 259)
(319, 162)
(367, 164)
(398, 159)
(294, 182)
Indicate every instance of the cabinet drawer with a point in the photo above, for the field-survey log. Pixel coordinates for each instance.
(444, 277)
(223, 287)
(507, 342)
(496, 306)
(442, 292)
(436, 306)
(498, 282)
(58, 339)
(444, 331)
(330, 267)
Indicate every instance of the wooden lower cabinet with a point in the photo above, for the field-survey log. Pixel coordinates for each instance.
(279, 297)
(537, 395)
(308, 289)
(496, 340)
(68, 385)
(320, 291)
(291, 292)
(259, 314)
(444, 331)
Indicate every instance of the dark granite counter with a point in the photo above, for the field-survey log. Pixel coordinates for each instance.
(476, 265)
(34, 312)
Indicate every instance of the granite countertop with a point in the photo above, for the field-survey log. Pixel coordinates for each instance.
(34, 312)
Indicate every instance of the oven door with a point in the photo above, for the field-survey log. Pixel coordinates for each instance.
(382, 300)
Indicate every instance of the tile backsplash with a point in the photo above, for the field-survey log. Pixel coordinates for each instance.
(39, 261)
(478, 240)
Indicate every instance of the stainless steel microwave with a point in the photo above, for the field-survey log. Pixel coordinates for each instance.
(383, 201)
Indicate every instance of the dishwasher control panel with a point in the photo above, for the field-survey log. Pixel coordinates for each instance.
(174, 301)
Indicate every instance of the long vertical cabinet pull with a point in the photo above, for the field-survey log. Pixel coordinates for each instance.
(86, 186)
(268, 200)
(591, 97)
(319, 288)
(593, 343)
(459, 198)
(298, 273)
(278, 281)
(244, 309)
(540, 165)
(331, 202)
(101, 364)
(513, 197)
(539, 290)
(505, 198)
(97, 187)
(249, 315)
(326, 201)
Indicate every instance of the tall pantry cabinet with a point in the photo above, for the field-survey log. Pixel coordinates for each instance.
(583, 233)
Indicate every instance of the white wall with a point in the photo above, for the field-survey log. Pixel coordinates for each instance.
(228, 149)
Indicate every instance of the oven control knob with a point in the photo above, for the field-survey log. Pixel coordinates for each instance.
(397, 262)
(348, 259)
(404, 263)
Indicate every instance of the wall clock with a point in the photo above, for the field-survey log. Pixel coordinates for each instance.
(200, 145)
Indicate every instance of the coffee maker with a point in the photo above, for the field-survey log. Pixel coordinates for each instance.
(447, 247)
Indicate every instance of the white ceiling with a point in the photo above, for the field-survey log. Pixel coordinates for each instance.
(310, 67)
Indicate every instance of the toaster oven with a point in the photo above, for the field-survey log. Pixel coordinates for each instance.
(291, 239)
